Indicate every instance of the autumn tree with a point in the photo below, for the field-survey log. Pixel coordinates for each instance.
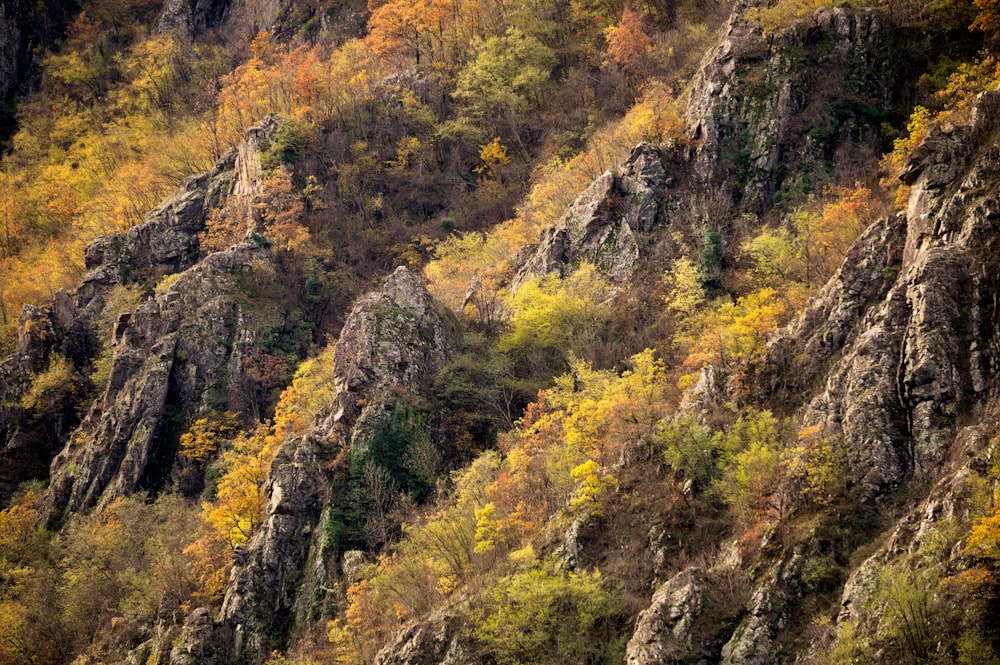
(628, 44)
(126, 561)
(281, 210)
(505, 79)
(494, 156)
(205, 436)
(551, 315)
(463, 258)
(823, 238)
(53, 387)
(984, 539)
(690, 449)
(607, 416)
(235, 514)
(815, 467)
(541, 616)
(416, 28)
(988, 18)
(731, 335)
(752, 474)
(685, 293)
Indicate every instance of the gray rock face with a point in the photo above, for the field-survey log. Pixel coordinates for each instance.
(904, 342)
(196, 643)
(899, 344)
(165, 243)
(601, 225)
(919, 530)
(663, 631)
(392, 344)
(191, 17)
(763, 117)
(800, 354)
(770, 607)
(263, 585)
(431, 642)
(393, 340)
(239, 20)
(764, 114)
(916, 355)
(188, 344)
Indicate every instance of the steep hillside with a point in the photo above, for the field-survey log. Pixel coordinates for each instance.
(550, 332)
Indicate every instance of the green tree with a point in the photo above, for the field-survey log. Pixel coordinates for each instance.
(505, 79)
(775, 256)
(686, 291)
(690, 449)
(711, 261)
(751, 468)
(550, 316)
(545, 617)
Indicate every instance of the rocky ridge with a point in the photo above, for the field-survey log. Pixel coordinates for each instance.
(187, 346)
(903, 339)
(765, 114)
(757, 129)
(392, 343)
(601, 225)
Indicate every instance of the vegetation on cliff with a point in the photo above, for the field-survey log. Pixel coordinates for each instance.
(613, 383)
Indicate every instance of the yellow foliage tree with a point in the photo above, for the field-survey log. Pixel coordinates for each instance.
(494, 156)
(594, 484)
(206, 435)
(732, 335)
(984, 539)
(550, 315)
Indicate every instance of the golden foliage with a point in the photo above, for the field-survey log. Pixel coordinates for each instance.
(51, 388)
(732, 335)
(239, 505)
(205, 436)
(493, 156)
(988, 18)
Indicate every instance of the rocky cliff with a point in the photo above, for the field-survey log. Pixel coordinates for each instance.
(889, 358)
(892, 356)
(179, 333)
(393, 343)
(892, 362)
(766, 121)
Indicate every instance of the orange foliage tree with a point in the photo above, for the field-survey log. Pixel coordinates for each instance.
(628, 44)
(988, 18)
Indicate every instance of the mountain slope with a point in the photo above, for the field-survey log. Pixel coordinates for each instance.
(731, 407)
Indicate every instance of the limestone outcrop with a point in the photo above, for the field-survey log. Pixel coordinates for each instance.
(392, 344)
(601, 225)
(187, 344)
